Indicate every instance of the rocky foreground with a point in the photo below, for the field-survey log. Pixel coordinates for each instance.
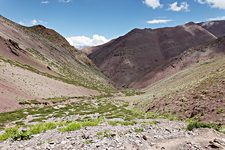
(168, 135)
(101, 124)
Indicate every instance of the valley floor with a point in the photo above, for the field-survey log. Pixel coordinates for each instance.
(169, 135)
(100, 123)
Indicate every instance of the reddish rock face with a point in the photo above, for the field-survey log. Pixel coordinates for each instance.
(129, 58)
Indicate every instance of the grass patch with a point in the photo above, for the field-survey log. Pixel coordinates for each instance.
(78, 125)
(15, 134)
(11, 116)
(39, 128)
(71, 127)
(196, 124)
(143, 124)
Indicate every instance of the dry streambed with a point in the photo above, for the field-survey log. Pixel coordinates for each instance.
(102, 124)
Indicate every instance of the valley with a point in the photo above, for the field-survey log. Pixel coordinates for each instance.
(149, 89)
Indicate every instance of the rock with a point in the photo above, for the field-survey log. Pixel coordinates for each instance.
(144, 137)
(52, 142)
(63, 142)
(85, 136)
(219, 141)
(215, 144)
(29, 148)
(168, 130)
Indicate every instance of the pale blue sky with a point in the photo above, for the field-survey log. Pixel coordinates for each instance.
(82, 19)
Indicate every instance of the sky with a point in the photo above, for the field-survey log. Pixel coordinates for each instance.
(93, 22)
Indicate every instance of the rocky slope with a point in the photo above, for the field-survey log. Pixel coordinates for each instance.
(204, 99)
(38, 63)
(189, 86)
(142, 52)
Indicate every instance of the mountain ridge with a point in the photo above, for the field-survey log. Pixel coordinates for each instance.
(150, 48)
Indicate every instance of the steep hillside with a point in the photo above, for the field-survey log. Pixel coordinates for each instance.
(37, 62)
(140, 52)
(215, 27)
(194, 92)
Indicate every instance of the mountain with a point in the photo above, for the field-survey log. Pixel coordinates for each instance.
(215, 27)
(197, 90)
(136, 57)
(39, 63)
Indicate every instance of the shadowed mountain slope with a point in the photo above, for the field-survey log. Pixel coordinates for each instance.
(132, 57)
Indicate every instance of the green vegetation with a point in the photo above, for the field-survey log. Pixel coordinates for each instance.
(143, 124)
(11, 116)
(131, 92)
(139, 130)
(173, 87)
(123, 123)
(71, 127)
(106, 134)
(219, 110)
(39, 128)
(78, 125)
(152, 115)
(16, 133)
(105, 108)
(195, 124)
(37, 54)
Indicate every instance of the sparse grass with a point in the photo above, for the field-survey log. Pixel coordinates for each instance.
(123, 123)
(106, 133)
(71, 127)
(88, 142)
(39, 128)
(37, 54)
(143, 124)
(15, 134)
(181, 81)
(219, 110)
(195, 124)
(139, 130)
(153, 115)
(11, 116)
(78, 125)
(40, 119)
(105, 108)
(131, 92)
(72, 77)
